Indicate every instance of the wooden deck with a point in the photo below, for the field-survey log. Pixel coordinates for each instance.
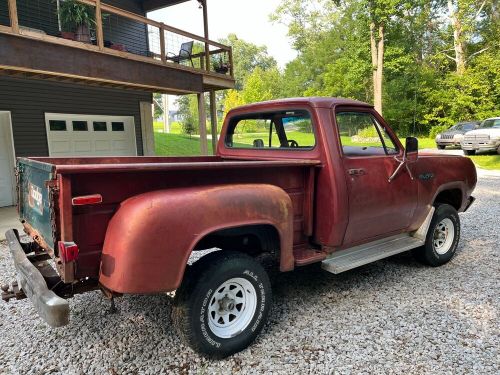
(29, 53)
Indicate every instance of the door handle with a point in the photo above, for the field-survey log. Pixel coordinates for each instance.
(356, 172)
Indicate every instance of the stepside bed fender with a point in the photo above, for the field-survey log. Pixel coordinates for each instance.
(151, 236)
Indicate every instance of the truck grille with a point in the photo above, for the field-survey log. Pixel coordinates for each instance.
(477, 138)
(447, 136)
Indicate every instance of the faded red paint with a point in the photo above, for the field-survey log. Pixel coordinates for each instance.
(154, 233)
(155, 209)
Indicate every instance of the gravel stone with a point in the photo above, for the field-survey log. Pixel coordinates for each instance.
(394, 316)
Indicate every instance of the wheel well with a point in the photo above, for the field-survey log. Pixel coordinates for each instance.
(249, 239)
(452, 197)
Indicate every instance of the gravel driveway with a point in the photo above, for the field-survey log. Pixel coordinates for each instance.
(393, 316)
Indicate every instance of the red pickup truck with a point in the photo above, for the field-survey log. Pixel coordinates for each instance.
(297, 181)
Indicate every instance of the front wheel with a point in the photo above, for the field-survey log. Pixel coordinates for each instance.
(441, 147)
(442, 238)
(469, 152)
(222, 304)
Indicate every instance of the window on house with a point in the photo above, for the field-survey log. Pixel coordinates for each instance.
(57, 125)
(80, 126)
(117, 126)
(100, 126)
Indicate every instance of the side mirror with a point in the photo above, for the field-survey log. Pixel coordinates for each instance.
(411, 149)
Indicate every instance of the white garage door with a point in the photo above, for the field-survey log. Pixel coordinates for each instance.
(90, 135)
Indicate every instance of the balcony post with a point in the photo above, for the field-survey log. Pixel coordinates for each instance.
(213, 120)
(162, 44)
(98, 22)
(205, 26)
(14, 21)
(202, 119)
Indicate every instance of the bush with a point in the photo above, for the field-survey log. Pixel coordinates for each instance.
(435, 130)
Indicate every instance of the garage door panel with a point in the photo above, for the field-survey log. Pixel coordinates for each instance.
(102, 136)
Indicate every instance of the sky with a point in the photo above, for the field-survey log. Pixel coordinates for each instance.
(248, 19)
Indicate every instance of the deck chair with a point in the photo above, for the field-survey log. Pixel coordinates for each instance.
(185, 53)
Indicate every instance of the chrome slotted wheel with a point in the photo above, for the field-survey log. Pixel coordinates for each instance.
(232, 307)
(444, 235)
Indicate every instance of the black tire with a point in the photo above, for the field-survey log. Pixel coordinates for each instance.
(498, 150)
(469, 152)
(428, 253)
(441, 147)
(192, 303)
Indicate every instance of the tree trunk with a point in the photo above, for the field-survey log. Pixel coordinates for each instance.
(458, 42)
(377, 50)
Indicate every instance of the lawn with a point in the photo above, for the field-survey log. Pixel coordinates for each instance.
(177, 145)
(490, 162)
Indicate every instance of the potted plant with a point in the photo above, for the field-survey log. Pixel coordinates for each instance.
(77, 19)
(221, 66)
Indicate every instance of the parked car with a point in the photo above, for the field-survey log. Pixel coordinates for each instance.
(454, 135)
(486, 138)
(288, 185)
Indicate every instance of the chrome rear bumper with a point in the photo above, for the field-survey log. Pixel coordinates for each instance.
(51, 308)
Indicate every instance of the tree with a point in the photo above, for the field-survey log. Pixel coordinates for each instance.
(246, 57)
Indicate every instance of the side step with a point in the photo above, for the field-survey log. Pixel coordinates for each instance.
(357, 256)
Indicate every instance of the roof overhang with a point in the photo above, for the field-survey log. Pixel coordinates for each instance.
(151, 5)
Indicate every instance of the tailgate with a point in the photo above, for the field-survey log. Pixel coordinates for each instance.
(35, 198)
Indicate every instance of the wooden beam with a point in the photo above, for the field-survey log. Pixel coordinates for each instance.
(14, 21)
(98, 21)
(213, 120)
(150, 5)
(202, 118)
(205, 28)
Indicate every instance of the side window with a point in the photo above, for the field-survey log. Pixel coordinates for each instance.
(362, 135)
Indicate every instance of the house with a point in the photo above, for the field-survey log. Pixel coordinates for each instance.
(90, 93)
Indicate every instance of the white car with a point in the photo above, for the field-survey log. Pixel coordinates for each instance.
(485, 138)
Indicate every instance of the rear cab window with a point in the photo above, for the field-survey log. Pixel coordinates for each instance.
(277, 130)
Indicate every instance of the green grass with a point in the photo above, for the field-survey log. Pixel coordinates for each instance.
(491, 162)
(175, 127)
(177, 145)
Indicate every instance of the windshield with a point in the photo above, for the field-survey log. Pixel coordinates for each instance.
(463, 126)
(491, 123)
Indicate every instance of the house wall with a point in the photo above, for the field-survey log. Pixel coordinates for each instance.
(42, 15)
(29, 99)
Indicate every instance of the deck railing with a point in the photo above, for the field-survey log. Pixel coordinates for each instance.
(164, 41)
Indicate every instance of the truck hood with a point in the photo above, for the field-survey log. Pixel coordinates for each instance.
(488, 131)
(453, 132)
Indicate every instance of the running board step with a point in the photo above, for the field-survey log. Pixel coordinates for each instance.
(357, 256)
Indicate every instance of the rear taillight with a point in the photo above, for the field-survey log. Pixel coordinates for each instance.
(87, 199)
(68, 251)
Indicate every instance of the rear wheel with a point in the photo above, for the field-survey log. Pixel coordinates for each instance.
(469, 152)
(442, 238)
(222, 304)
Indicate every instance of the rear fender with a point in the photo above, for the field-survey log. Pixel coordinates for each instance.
(151, 236)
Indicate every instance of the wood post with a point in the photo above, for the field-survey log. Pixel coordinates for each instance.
(205, 26)
(14, 21)
(148, 137)
(213, 120)
(98, 22)
(202, 118)
(163, 52)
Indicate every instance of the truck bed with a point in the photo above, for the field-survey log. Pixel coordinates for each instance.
(119, 178)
